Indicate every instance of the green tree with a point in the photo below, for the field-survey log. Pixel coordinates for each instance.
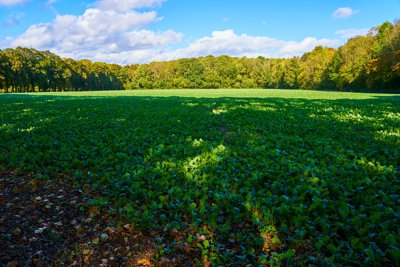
(211, 79)
(384, 66)
(189, 73)
(5, 71)
(349, 66)
(313, 71)
(143, 78)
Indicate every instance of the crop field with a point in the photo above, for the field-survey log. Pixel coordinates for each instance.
(225, 177)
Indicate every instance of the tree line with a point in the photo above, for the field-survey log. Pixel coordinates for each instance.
(29, 70)
(363, 62)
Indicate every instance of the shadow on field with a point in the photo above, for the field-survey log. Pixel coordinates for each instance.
(234, 180)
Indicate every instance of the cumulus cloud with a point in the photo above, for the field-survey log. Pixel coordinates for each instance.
(116, 31)
(229, 43)
(126, 57)
(291, 48)
(99, 31)
(11, 2)
(219, 43)
(349, 33)
(126, 5)
(343, 12)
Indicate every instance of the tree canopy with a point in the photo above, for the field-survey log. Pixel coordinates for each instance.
(362, 63)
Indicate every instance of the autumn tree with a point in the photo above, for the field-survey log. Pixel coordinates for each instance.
(349, 66)
(313, 68)
(384, 66)
(363, 62)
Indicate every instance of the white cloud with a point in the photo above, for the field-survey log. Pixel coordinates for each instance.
(229, 43)
(98, 32)
(11, 2)
(219, 43)
(115, 31)
(126, 5)
(290, 49)
(124, 57)
(349, 33)
(344, 12)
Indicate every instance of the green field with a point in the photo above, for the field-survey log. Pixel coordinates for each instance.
(261, 176)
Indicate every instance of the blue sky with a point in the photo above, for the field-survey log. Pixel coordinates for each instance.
(140, 31)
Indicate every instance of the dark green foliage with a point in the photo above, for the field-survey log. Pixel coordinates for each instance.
(29, 70)
(315, 181)
(314, 66)
(363, 63)
(369, 62)
(350, 64)
(384, 67)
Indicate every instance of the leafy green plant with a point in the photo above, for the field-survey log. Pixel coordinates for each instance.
(274, 177)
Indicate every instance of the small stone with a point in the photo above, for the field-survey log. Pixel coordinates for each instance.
(110, 230)
(40, 230)
(174, 233)
(127, 227)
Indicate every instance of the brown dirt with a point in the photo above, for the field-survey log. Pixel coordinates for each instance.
(49, 223)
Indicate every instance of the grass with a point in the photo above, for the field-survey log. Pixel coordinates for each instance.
(232, 176)
(218, 93)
